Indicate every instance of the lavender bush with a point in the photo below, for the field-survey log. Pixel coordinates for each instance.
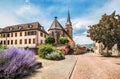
(16, 62)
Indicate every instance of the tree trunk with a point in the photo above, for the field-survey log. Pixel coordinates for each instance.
(118, 48)
(107, 51)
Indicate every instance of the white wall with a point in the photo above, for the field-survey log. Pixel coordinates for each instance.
(23, 37)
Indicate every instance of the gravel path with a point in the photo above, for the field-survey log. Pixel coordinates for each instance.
(91, 66)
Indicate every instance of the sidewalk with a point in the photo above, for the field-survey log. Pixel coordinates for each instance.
(55, 69)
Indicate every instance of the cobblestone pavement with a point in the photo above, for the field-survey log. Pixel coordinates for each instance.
(92, 66)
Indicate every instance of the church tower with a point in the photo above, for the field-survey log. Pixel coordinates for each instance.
(68, 26)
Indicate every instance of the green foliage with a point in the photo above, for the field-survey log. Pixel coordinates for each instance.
(71, 51)
(63, 40)
(55, 56)
(48, 52)
(50, 40)
(0, 36)
(107, 31)
(44, 50)
(2, 48)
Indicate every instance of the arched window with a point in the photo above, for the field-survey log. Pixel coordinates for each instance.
(8, 42)
(52, 33)
(68, 31)
(58, 36)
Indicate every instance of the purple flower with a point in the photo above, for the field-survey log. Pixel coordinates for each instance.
(16, 62)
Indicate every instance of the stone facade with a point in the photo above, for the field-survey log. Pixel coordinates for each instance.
(57, 30)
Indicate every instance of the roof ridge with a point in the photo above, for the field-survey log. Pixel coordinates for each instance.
(55, 24)
(22, 24)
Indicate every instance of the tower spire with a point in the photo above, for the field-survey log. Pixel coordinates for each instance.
(68, 19)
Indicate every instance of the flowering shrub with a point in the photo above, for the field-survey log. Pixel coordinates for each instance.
(44, 50)
(55, 56)
(48, 52)
(16, 62)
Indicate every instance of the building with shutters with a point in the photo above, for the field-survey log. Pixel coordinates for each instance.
(23, 35)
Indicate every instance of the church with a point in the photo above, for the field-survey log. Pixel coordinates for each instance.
(57, 30)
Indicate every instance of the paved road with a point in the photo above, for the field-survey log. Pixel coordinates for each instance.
(55, 69)
(91, 66)
(85, 66)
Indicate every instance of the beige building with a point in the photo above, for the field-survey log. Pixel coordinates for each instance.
(23, 35)
(98, 48)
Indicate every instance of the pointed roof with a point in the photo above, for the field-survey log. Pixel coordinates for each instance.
(68, 19)
(55, 24)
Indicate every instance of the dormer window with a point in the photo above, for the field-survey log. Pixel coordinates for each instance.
(30, 26)
(42, 28)
(19, 27)
(10, 28)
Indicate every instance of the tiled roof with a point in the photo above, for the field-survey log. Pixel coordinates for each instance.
(23, 27)
(56, 24)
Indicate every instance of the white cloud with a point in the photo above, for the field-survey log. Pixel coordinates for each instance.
(32, 13)
(84, 33)
(27, 1)
(82, 23)
(93, 18)
(7, 19)
(82, 40)
(108, 7)
(27, 10)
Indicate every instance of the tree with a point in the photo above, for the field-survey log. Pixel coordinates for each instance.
(106, 31)
(50, 40)
(63, 40)
(0, 36)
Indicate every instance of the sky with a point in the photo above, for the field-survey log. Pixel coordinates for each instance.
(83, 13)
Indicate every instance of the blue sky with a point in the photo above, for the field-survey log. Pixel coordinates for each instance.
(83, 13)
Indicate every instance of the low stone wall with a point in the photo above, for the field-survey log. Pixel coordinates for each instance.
(80, 50)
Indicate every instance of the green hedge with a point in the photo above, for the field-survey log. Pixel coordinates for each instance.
(63, 40)
(48, 52)
(50, 40)
(2, 48)
(43, 50)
